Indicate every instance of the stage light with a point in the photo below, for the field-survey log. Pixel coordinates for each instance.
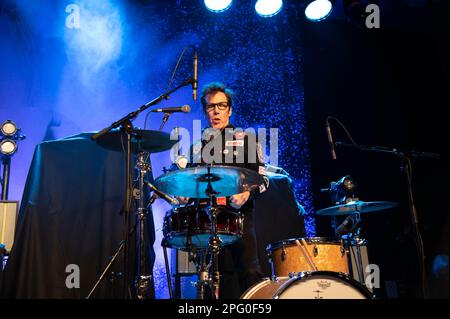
(217, 5)
(318, 10)
(9, 135)
(8, 147)
(8, 128)
(268, 8)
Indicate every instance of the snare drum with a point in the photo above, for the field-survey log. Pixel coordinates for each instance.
(319, 253)
(190, 226)
(309, 285)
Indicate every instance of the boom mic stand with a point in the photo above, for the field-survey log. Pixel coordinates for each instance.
(406, 168)
(127, 127)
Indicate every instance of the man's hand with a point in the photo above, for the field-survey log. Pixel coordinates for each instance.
(239, 199)
(182, 200)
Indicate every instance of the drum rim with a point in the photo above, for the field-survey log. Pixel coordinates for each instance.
(309, 240)
(306, 274)
(259, 284)
(202, 207)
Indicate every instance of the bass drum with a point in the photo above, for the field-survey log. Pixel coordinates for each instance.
(309, 285)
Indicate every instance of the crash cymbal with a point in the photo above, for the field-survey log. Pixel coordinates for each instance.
(142, 140)
(192, 182)
(356, 207)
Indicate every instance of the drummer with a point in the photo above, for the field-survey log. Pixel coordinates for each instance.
(239, 264)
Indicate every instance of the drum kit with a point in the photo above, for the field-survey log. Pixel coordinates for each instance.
(202, 229)
(301, 267)
(319, 267)
(206, 227)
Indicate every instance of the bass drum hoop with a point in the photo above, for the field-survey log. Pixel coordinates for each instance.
(340, 275)
(309, 241)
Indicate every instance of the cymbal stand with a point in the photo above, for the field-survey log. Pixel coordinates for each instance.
(203, 281)
(357, 242)
(352, 238)
(166, 263)
(125, 123)
(406, 167)
(214, 240)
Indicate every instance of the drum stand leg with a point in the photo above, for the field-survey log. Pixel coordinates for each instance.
(143, 281)
(166, 262)
(359, 261)
(203, 281)
(214, 245)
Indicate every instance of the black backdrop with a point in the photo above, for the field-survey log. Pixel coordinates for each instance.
(389, 87)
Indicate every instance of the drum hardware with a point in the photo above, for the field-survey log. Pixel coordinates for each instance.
(205, 182)
(406, 168)
(169, 279)
(141, 143)
(283, 253)
(342, 251)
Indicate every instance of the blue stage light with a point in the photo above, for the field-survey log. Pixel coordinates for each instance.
(217, 5)
(318, 10)
(268, 8)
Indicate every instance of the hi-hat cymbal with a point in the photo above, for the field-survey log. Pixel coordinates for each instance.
(356, 207)
(193, 181)
(141, 140)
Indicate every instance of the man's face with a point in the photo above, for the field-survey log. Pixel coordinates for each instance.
(218, 115)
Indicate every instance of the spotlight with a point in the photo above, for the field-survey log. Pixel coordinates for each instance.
(268, 8)
(9, 135)
(318, 10)
(8, 128)
(218, 5)
(8, 147)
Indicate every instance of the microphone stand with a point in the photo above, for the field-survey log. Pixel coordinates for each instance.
(166, 117)
(127, 127)
(405, 167)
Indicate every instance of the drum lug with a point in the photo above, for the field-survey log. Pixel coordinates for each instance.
(315, 251)
(342, 251)
(283, 253)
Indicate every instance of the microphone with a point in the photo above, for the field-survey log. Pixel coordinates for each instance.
(171, 200)
(185, 109)
(347, 226)
(195, 80)
(330, 140)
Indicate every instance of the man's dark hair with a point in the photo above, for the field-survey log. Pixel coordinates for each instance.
(214, 87)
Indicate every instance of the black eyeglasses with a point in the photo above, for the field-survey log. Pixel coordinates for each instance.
(222, 106)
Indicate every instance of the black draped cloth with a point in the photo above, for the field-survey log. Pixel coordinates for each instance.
(277, 216)
(71, 214)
